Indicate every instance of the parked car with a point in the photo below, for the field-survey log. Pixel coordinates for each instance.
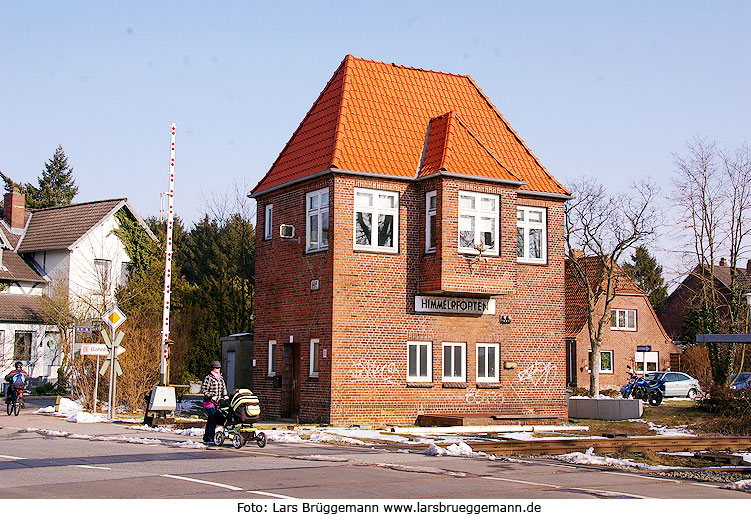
(677, 384)
(743, 381)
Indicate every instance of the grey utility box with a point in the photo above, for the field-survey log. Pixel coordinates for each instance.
(237, 360)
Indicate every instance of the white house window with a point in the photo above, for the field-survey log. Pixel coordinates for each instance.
(606, 361)
(272, 358)
(268, 226)
(420, 361)
(622, 319)
(454, 359)
(314, 348)
(531, 234)
(102, 267)
(487, 363)
(478, 222)
(646, 361)
(430, 221)
(317, 220)
(22, 346)
(376, 220)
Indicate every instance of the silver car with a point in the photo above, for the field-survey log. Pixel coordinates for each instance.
(677, 384)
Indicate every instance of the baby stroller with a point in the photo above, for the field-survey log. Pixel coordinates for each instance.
(238, 416)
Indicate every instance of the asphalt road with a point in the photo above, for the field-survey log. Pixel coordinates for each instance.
(44, 465)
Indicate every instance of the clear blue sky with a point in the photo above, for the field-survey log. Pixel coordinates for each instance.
(607, 89)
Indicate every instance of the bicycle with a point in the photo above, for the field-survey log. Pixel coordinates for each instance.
(14, 402)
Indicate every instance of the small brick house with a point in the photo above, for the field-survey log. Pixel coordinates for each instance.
(425, 274)
(635, 336)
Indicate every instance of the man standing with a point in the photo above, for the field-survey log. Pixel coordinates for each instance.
(214, 390)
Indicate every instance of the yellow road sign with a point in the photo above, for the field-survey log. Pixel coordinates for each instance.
(114, 317)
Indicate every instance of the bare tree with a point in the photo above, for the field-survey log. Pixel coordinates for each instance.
(713, 196)
(600, 228)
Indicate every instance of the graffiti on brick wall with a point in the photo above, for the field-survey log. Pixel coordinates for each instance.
(482, 397)
(538, 373)
(372, 370)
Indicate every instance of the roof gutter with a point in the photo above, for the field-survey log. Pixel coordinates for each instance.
(531, 193)
(331, 171)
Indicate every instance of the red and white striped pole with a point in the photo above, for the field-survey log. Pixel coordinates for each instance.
(163, 369)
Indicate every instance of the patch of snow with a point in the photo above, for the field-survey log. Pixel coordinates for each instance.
(680, 430)
(45, 410)
(86, 417)
(743, 485)
(324, 437)
(282, 436)
(68, 407)
(590, 458)
(321, 457)
(455, 449)
(686, 454)
(404, 451)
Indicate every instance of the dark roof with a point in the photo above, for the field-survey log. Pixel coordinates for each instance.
(723, 274)
(58, 228)
(576, 295)
(14, 268)
(16, 307)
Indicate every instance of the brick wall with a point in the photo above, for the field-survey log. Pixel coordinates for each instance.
(364, 315)
(623, 343)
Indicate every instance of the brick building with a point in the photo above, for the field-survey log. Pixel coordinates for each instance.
(425, 273)
(635, 337)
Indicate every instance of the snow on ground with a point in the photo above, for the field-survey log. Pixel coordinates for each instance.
(680, 430)
(120, 439)
(590, 458)
(460, 449)
(742, 485)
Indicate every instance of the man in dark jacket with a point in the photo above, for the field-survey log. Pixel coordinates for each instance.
(214, 390)
(18, 380)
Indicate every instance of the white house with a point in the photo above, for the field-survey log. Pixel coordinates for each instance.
(71, 250)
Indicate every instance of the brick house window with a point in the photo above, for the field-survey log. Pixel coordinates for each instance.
(454, 359)
(478, 222)
(317, 220)
(22, 347)
(430, 221)
(314, 350)
(379, 209)
(268, 226)
(606, 361)
(487, 363)
(531, 234)
(272, 358)
(623, 319)
(420, 361)
(646, 361)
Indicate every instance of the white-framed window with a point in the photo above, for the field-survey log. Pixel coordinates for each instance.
(420, 361)
(272, 358)
(623, 319)
(315, 346)
(531, 234)
(478, 223)
(454, 362)
(646, 361)
(317, 220)
(431, 205)
(103, 269)
(268, 226)
(606, 361)
(487, 363)
(376, 220)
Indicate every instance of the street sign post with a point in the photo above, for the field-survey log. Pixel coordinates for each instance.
(114, 318)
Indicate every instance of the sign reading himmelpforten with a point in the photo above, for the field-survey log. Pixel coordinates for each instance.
(453, 305)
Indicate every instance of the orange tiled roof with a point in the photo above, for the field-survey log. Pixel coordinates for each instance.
(576, 295)
(374, 117)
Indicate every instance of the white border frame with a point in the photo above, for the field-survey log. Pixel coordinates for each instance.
(272, 358)
(497, 377)
(308, 214)
(626, 328)
(454, 379)
(478, 215)
(311, 372)
(373, 247)
(268, 222)
(418, 378)
(428, 214)
(527, 225)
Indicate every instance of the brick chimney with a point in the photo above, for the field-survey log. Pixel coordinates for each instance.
(13, 209)
(723, 262)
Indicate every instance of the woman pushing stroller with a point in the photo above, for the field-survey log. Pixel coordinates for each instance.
(214, 390)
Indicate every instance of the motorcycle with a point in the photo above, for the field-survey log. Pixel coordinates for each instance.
(653, 392)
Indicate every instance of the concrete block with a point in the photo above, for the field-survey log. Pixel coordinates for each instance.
(605, 408)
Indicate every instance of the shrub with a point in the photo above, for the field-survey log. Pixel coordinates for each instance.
(695, 362)
(48, 389)
(731, 408)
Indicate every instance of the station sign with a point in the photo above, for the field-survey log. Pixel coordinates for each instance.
(454, 305)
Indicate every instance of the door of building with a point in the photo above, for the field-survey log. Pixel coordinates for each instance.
(571, 362)
(230, 371)
(291, 380)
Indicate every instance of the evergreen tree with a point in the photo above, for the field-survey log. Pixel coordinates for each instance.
(647, 275)
(57, 187)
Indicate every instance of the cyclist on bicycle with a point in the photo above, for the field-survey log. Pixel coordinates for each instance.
(18, 379)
